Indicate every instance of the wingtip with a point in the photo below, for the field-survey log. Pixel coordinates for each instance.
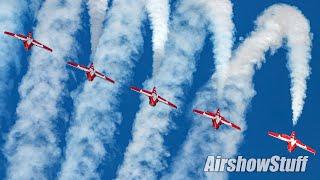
(273, 134)
(8, 33)
(71, 63)
(236, 127)
(133, 88)
(270, 132)
(47, 48)
(196, 111)
(312, 151)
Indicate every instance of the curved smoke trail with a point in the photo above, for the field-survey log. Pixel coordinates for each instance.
(31, 146)
(145, 154)
(276, 24)
(96, 107)
(158, 11)
(97, 13)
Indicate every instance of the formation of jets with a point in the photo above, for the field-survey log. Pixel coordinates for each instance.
(216, 118)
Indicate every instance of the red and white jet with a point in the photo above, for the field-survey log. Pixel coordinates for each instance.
(28, 41)
(216, 119)
(91, 73)
(154, 98)
(292, 141)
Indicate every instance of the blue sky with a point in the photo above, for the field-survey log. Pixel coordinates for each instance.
(270, 109)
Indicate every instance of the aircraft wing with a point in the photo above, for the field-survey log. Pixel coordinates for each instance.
(161, 99)
(226, 122)
(305, 147)
(100, 75)
(18, 36)
(41, 45)
(207, 114)
(78, 66)
(142, 91)
(282, 137)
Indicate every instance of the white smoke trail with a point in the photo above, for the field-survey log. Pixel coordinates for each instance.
(159, 12)
(276, 24)
(289, 24)
(33, 9)
(97, 13)
(31, 146)
(96, 107)
(12, 15)
(145, 155)
(219, 15)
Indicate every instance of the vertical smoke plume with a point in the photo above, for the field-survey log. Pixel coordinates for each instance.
(97, 13)
(31, 146)
(219, 15)
(276, 24)
(145, 155)
(96, 107)
(12, 16)
(158, 11)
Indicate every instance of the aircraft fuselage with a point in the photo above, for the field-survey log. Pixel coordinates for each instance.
(292, 144)
(28, 43)
(153, 100)
(91, 74)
